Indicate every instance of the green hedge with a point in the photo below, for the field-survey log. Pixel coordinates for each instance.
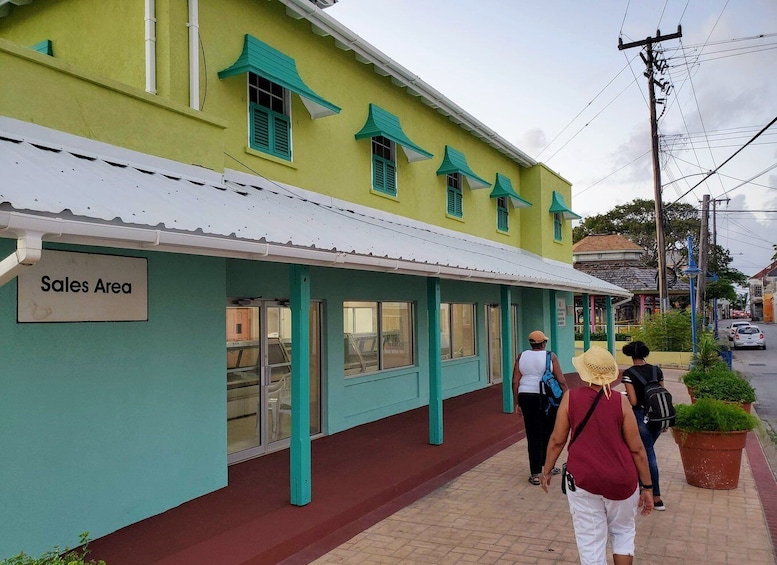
(602, 336)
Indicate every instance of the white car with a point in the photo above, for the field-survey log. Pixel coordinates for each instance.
(733, 328)
(749, 336)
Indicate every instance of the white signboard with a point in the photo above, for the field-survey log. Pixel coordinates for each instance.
(561, 312)
(83, 287)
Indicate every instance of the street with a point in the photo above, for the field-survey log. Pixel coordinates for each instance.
(760, 367)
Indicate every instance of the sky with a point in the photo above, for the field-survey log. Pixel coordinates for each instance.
(548, 76)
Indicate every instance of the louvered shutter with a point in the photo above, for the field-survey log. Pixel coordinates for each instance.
(384, 175)
(391, 178)
(281, 136)
(260, 128)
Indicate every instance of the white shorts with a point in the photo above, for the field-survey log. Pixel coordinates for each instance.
(596, 518)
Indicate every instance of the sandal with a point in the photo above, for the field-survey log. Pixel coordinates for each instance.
(534, 479)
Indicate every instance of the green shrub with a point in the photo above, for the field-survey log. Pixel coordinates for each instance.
(710, 415)
(53, 557)
(670, 331)
(698, 375)
(728, 387)
(602, 336)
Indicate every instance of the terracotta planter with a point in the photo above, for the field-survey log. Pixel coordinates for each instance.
(711, 459)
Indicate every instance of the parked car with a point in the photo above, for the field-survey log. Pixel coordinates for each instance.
(733, 328)
(749, 336)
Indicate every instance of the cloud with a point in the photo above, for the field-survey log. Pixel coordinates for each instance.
(533, 141)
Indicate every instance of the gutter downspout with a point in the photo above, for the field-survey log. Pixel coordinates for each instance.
(150, 42)
(194, 55)
(29, 248)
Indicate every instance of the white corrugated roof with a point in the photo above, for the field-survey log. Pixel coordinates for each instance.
(83, 184)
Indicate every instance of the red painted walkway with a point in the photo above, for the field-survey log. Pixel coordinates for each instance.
(358, 477)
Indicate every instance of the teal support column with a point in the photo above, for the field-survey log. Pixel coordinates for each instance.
(553, 324)
(610, 326)
(299, 285)
(586, 322)
(435, 361)
(508, 402)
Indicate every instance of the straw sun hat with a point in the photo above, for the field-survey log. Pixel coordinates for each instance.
(596, 366)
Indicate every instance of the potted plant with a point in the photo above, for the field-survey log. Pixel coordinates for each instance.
(694, 378)
(728, 387)
(711, 435)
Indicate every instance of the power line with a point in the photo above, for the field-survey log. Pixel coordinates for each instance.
(756, 136)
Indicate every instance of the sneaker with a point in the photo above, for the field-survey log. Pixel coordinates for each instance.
(555, 471)
(659, 506)
(534, 479)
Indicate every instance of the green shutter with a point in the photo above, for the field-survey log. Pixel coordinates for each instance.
(384, 175)
(502, 216)
(281, 136)
(270, 132)
(454, 202)
(260, 128)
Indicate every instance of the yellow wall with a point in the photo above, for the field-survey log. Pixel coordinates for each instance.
(537, 235)
(105, 38)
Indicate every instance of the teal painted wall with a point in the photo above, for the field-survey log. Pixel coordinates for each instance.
(104, 424)
(356, 400)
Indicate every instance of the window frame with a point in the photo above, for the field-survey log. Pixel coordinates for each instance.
(384, 165)
(557, 226)
(454, 195)
(271, 102)
(381, 339)
(449, 322)
(502, 214)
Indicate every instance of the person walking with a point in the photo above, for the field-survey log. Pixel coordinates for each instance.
(538, 419)
(634, 380)
(606, 462)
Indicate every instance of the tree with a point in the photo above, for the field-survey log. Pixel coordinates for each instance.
(718, 264)
(636, 221)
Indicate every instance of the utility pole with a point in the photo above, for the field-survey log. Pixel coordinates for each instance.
(653, 65)
(714, 246)
(703, 249)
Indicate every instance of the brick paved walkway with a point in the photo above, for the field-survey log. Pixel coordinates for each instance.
(491, 514)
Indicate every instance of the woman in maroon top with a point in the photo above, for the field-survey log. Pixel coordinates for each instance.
(606, 463)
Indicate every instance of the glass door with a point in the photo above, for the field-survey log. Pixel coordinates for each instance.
(259, 377)
(494, 324)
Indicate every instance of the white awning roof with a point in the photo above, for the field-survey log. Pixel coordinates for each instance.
(75, 190)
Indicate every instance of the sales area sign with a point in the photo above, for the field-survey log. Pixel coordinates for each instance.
(83, 287)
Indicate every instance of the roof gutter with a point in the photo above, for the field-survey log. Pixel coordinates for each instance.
(323, 24)
(29, 247)
(33, 229)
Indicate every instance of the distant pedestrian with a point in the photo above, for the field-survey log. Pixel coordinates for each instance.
(537, 418)
(606, 462)
(635, 390)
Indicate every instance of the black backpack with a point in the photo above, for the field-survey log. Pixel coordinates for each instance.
(659, 411)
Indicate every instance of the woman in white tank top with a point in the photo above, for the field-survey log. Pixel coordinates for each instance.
(527, 375)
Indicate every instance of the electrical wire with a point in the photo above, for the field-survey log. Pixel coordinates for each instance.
(767, 126)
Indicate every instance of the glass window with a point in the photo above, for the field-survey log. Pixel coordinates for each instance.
(457, 330)
(455, 207)
(270, 126)
(377, 336)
